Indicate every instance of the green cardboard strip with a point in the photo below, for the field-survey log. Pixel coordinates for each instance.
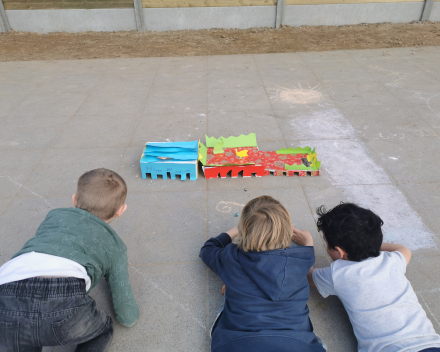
(218, 148)
(233, 142)
(298, 150)
(204, 151)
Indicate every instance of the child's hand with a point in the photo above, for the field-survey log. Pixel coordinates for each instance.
(302, 237)
(233, 233)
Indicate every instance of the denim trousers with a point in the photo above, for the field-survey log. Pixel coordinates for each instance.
(41, 312)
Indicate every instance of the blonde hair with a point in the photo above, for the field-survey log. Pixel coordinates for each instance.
(101, 192)
(264, 225)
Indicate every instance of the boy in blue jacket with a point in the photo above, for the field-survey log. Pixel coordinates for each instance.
(266, 278)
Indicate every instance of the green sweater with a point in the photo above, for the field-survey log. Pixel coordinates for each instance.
(78, 235)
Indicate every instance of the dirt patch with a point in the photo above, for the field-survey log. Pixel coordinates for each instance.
(17, 46)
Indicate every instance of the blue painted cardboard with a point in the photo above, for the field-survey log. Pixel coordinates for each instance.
(173, 168)
(182, 160)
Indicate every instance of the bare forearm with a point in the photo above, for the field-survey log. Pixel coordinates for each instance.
(393, 247)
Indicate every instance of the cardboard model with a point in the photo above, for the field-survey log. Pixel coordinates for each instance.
(241, 154)
(223, 156)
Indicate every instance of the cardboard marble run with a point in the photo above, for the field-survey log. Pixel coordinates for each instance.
(223, 156)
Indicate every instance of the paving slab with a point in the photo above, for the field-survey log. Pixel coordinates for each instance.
(243, 99)
(260, 122)
(16, 166)
(164, 227)
(402, 159)
(425, 198)
(234, 79)
(386, 122)
(97, 131)
(27, 132)
(279, 60)
(172, 127)
(44, 104)
(372, 115)
(176, 101)
(59, 170)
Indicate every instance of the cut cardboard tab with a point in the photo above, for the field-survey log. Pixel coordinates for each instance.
(299, 150)
(202, 153)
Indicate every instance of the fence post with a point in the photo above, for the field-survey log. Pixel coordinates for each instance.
(4, 23)
(281, 4)
(427, 10)
(139, 15)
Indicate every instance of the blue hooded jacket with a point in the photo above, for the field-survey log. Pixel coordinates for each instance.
(266, 298)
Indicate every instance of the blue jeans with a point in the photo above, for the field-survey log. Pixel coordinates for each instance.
(432, 349)
(50, 312)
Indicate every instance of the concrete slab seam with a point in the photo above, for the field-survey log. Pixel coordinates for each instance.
(138, 119)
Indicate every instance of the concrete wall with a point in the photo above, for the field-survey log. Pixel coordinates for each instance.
(435, 14)
(162, 19)
(345, 14)
(209, 17)
(72, 21)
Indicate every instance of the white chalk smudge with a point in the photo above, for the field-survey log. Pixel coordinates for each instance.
(225, 207)
(348, 162)
(402, 224)
(322, 124)
(349, 165)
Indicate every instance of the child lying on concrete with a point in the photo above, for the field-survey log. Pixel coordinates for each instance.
(369, 278)
(43, 288)
(265, 304)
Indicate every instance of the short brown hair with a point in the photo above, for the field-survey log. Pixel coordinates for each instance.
(264, 225)
(101, 192)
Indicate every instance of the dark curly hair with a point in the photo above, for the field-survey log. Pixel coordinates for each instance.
(354, 229)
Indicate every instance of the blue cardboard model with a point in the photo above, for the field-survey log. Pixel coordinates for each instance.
(176, 158)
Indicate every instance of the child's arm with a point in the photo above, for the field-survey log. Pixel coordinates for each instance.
(302, 237)
(126, 309)
(211, 250)
(391, 247)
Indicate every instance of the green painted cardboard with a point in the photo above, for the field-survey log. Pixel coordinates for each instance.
(298, 150)
(233, 142)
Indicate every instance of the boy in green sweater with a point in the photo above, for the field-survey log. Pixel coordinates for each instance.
(43, 288)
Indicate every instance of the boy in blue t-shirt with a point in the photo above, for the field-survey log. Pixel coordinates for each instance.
(369, 278)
